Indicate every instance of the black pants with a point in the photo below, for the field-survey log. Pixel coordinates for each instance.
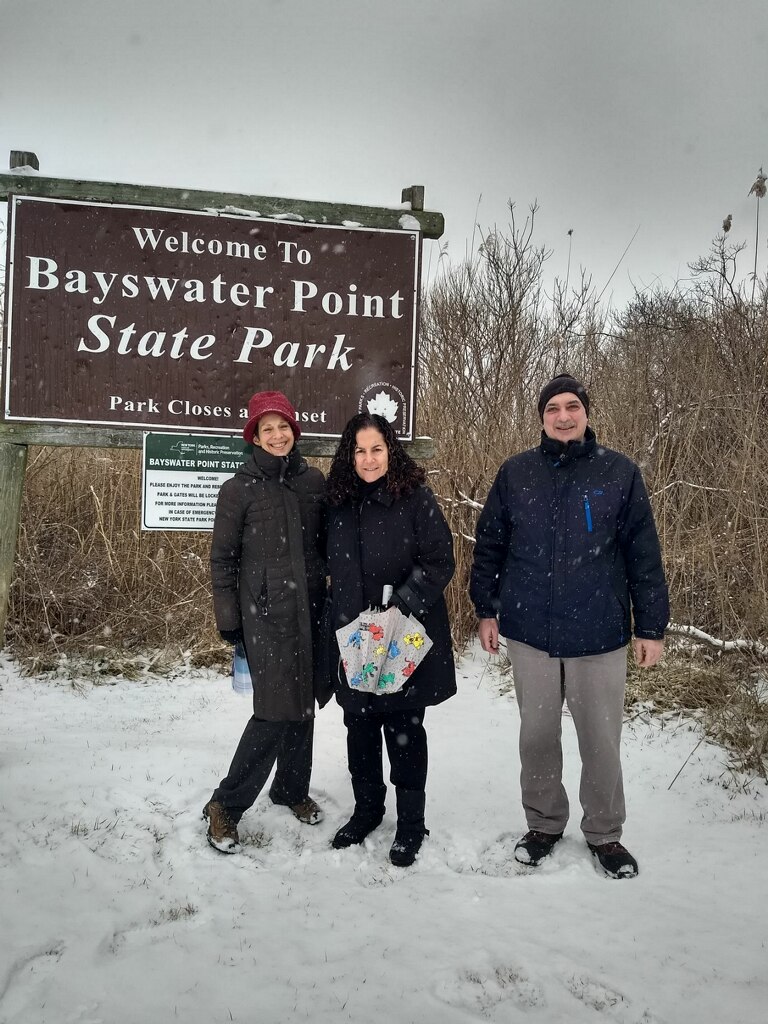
(261, 745)
(406, 742)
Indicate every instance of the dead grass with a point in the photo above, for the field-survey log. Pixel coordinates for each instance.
(90, 589)
(726, 694)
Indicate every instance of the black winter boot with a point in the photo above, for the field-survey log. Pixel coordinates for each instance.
(535, 846)
(410, 827)
(360, 825)
(615, 860)
(368, 814)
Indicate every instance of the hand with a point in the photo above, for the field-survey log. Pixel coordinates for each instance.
(488, 632)
(396, 602)
(647, 652)
(232, 636)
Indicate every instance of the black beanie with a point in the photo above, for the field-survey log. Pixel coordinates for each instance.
(558, 386)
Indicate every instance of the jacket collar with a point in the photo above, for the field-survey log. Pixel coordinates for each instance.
(266, 466)
(563, 453)
(379, 493)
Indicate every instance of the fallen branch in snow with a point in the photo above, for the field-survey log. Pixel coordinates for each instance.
(751, 646)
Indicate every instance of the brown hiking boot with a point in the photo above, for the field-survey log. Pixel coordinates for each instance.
(306, 810)
(222, 831)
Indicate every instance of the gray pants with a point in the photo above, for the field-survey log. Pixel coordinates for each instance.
(594, 688)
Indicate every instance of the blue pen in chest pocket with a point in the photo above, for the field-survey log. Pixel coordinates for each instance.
(587, 513)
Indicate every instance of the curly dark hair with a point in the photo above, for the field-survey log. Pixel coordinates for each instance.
(403, 474)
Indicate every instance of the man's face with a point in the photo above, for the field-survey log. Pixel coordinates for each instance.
(565, 418)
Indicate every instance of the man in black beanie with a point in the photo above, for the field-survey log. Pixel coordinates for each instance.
(568, 567)
(559, 385)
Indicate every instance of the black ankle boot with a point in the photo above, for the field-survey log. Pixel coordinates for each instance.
(410, 827)
(360, 825)
(406, 847)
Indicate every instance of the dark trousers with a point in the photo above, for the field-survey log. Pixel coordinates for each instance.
(406, 742)
(289, 744)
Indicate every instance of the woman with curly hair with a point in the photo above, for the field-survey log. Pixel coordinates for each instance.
(386, 528)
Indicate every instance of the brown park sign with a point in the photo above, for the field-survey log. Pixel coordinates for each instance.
(166, 319)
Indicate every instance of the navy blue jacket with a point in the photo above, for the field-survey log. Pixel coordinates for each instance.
(567, 552)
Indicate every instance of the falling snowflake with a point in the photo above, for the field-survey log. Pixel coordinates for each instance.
(383, 405)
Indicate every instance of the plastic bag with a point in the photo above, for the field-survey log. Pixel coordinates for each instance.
(241, 674)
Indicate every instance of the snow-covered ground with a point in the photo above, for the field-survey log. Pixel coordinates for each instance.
(115, 910)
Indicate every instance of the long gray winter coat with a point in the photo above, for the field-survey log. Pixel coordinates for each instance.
(268, 576)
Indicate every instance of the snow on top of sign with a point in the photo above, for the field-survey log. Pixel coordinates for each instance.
(409, 223)
(351, 224)
(26, 169)
(218, 210)
(233, 209)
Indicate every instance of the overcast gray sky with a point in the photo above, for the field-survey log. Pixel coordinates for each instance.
(612, 114)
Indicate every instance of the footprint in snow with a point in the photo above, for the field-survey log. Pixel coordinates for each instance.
(31, 969)
(594, 993)
(498, 859)
(606, 1001)
(482, 990)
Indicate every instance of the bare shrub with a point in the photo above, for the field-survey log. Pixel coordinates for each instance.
(687, 399)
(725, 694)
(89, 582)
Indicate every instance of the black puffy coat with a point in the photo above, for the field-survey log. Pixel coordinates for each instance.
(268, 576)
(404, 542)
(567, 552)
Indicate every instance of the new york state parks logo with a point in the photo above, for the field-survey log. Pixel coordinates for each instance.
(386, 400)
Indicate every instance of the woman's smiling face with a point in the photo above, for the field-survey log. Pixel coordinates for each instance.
(274, 434)
(371, 454)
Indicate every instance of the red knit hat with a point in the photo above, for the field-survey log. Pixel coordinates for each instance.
(264, 402)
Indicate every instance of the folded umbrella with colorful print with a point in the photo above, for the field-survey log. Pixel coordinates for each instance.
(380, 650)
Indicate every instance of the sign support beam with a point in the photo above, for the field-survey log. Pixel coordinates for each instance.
(70, 436)
(431, 224)
(13, 463)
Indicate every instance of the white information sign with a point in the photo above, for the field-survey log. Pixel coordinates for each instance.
(181, 477)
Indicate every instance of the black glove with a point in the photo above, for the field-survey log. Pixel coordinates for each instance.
(232, 636)
(397, 602)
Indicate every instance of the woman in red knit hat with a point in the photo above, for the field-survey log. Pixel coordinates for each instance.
(268, 575)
